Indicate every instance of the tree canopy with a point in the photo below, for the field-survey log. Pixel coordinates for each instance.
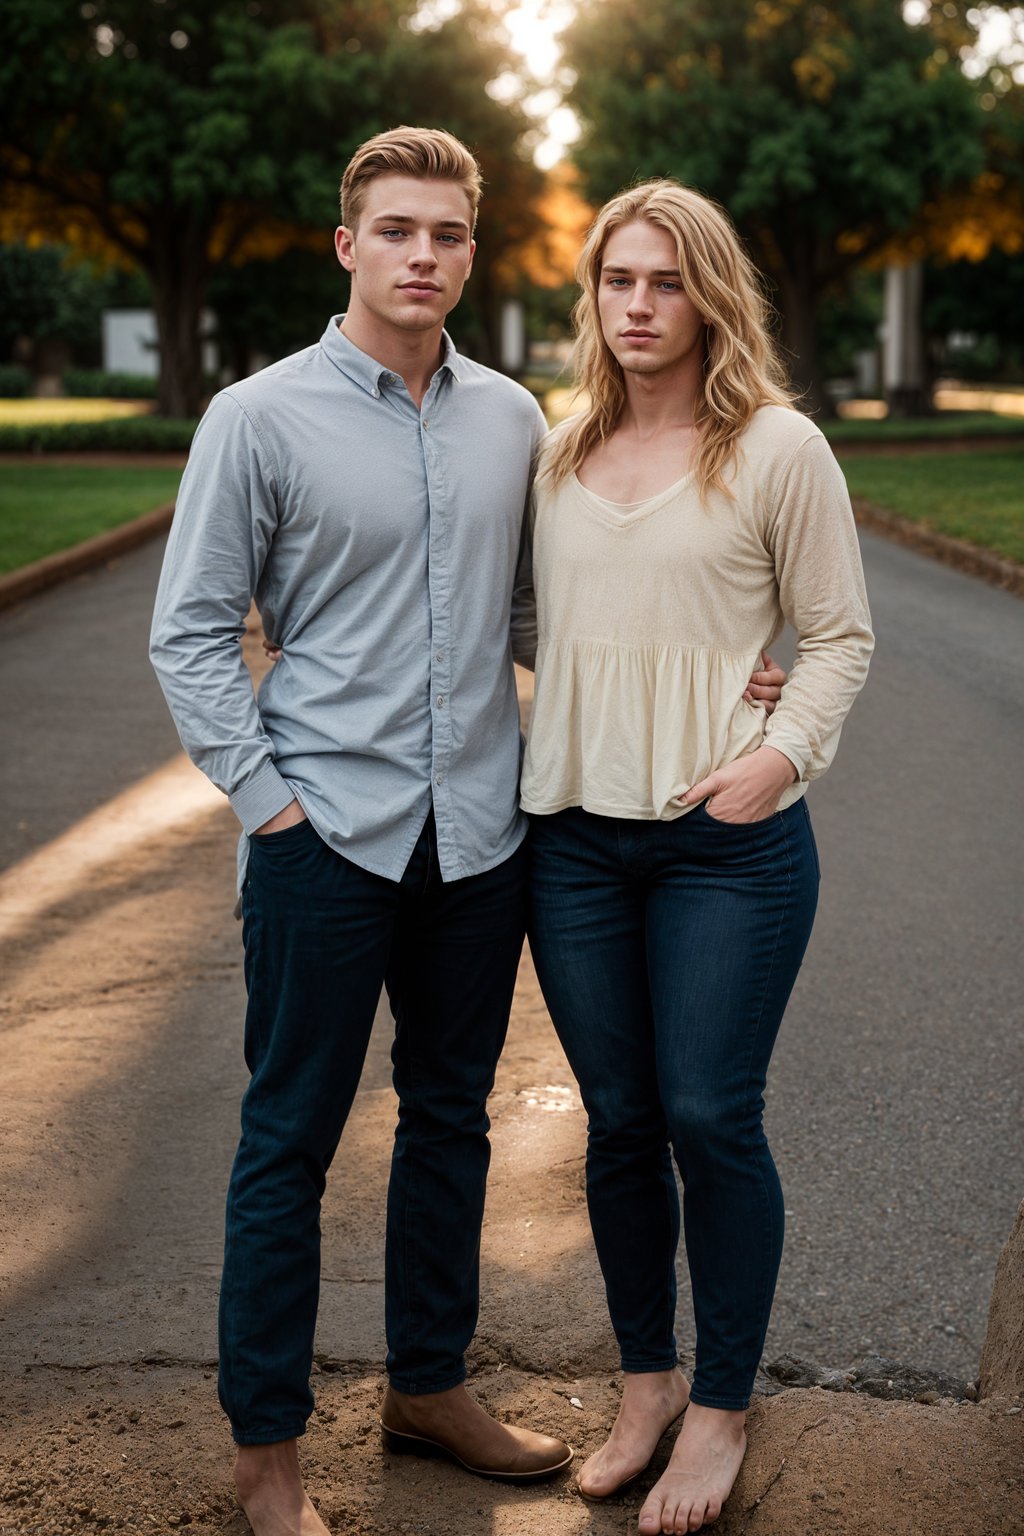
(822, 128)
(184, 137)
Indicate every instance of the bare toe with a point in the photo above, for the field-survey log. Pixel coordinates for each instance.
(650, 1516)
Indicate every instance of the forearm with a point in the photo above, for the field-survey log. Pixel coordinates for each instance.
(828, 673)
(222, 532)
(209, 693)
(822, 595)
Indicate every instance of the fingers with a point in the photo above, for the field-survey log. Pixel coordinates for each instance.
(701, 791)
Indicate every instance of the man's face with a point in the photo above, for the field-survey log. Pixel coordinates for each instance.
(411, 253)
(647, 320)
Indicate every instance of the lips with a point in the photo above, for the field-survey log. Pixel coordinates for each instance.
(419, 288)
(639, 336)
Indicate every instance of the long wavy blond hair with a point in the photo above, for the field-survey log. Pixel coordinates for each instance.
(742, 368)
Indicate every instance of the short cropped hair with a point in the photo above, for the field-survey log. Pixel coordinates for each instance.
(424, 152)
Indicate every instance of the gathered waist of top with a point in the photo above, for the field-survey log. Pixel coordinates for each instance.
(626, 730)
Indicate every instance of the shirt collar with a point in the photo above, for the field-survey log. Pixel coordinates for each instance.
(365, 370)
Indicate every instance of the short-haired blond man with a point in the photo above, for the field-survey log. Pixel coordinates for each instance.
(369, 492)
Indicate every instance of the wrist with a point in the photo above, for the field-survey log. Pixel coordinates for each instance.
(780, 765)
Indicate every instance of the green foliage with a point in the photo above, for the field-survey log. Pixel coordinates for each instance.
(46, 294)
(126, 434)
(193, 137)
(15, 382)
(98, 384)
(984, 299)
(849, 318)
(275, 307)
(822, 128)
(48, 507)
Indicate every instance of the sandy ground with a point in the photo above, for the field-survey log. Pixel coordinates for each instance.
(121, 1078)
(93, 1441)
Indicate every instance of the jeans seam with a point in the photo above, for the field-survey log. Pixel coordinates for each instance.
(769, 1287)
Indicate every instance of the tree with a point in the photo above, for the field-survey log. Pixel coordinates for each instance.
(49, 295)
(187, 138)
(822, 128)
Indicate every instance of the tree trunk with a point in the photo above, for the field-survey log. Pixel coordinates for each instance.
(179, 275)
(798, 300)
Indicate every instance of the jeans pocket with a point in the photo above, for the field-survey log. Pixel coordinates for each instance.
(737, 826)
(281, 836)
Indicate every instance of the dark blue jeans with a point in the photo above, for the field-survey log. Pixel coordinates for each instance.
(667, 952)
(321, 936)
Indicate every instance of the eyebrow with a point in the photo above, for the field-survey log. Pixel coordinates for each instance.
(408, 218)
(658, 272)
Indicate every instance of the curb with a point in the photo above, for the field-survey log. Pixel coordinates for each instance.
(940, 546)
(41, 574)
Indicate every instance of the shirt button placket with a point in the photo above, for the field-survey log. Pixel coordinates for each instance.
(440, 676)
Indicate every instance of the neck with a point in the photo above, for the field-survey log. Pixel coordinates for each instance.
(665, 401)
(414, 355)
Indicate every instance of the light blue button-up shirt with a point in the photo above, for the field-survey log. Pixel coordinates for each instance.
(381, 544)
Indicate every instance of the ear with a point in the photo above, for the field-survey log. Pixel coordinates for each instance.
(345, 247)
(472, 253)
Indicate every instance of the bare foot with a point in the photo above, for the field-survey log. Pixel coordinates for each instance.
(270, 1491)
(453, 1423)
(650, 1403)
(699, 1477)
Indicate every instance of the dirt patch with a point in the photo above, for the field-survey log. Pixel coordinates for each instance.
(144, 1450)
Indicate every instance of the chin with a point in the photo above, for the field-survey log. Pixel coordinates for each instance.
(632, 363)
(420, 318)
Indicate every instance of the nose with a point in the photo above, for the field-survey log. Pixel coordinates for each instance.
(639, 300)
(421, 250)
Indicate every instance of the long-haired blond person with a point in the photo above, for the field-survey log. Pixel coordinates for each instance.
(679, 520)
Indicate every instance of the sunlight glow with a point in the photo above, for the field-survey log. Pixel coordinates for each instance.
(175, 795)
(533, 27)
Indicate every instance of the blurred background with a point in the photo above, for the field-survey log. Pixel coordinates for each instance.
(169, 172)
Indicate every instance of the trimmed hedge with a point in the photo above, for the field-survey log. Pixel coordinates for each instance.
(123, 434)
(947, 424)
(15, 381)
(96, 384)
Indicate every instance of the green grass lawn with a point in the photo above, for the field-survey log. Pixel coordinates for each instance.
(975, 496)
(946, 424)
(47, 507)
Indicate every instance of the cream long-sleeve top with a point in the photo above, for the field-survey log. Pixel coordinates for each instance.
(651, 618)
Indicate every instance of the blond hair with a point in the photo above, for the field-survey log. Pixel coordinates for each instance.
(742, 368)
(423, 152)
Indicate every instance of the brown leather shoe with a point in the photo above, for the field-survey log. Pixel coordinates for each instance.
(451, 1424)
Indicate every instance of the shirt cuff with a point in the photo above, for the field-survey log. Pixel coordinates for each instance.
(261, 797)
(791, 746)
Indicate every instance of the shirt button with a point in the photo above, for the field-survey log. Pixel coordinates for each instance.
(439, 655)
(426, 423)
(440, 701)
(439, 779)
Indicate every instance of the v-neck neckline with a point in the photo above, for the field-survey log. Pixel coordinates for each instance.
(625, 514)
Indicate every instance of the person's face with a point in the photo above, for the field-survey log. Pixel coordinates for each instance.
(411, 252)
(647, 319)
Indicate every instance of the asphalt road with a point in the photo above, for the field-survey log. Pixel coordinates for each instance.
(895, 1101)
